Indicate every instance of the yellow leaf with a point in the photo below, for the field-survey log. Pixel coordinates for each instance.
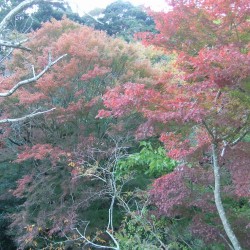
(72, 164)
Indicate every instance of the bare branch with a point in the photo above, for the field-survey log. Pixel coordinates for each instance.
(6, 56)
(240, 137)
(15, 11)
(88, 242)
(16, 45)
(223, 237)
(11, 120)
(218, 96)
(208, 129)
(93, 18)
(33, 79)
(92, 175)
(224, 148)
(114, 240)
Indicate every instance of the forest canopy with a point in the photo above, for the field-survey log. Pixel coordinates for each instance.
(129, 134)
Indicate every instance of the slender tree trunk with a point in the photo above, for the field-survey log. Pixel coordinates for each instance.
(218, 202)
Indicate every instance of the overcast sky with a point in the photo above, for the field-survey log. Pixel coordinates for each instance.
(87, 5)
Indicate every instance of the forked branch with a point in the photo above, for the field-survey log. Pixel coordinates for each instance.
(16, 10)
(34, 78)
(13, 12)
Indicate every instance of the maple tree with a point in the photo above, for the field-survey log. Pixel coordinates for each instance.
(202, 111)
(57, 148)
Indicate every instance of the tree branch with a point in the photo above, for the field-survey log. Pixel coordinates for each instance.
(93, 18)
(16, 45)
(34, 78)
(240, 137)
(88, 242)
(208, 129)
(11, 120)
(6, 56)
(15, 11)
(218, 201)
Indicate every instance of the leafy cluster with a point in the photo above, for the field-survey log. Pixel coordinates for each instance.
(149, 161)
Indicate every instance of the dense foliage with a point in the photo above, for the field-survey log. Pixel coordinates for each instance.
(120, 19)
(148, 145)
(54, 147)
(200, 114)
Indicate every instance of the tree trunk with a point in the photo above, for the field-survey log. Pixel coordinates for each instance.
(218, 202)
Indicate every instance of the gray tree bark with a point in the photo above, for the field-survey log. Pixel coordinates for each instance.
(218, 202)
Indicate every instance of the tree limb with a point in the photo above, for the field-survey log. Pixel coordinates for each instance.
(208, 129)
(11, 120)
(240, 137)
(88, 242)
(16, 10)
(218, 201)
(93, 18)
(34, 78)
(16, 45)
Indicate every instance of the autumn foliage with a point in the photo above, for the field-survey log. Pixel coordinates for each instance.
(57, 145)
(186, 89)
(205, 103)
